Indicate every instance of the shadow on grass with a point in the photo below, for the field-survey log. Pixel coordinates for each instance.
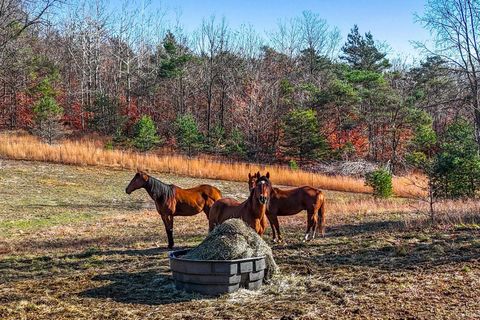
(127, 252)
(387, 251)
(368, 227)
(151, 288)
(74, 243)
(21, 268)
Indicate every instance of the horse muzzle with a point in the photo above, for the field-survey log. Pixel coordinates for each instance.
(262, 199)
(127, 191)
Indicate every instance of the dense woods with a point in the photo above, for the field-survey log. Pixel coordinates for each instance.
(302, 92)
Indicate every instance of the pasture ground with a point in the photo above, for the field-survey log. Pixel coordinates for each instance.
(74, 245)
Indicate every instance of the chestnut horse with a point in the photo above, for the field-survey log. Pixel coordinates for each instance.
(172, 201)
(252, 211)
(292, 201)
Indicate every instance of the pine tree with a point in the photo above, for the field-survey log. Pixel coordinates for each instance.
(361, 52)
(302, 138)
(145, 134)
(188, 136)
(47, 119)
(457, 165)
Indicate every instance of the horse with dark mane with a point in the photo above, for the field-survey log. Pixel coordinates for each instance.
(252, 211)
(292, 201)
(171, 200)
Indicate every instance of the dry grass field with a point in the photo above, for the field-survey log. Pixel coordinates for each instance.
(74, 245)
(21, 146)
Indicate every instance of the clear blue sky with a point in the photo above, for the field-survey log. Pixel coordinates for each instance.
(388, 20)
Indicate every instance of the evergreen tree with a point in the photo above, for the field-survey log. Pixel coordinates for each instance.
(235, 144)
(105, 114)
(302, 138)
(173, 58)
(47, 112)
(361, 52)
(457, 165)
(47, 119)
(188, 136)
(145, 134)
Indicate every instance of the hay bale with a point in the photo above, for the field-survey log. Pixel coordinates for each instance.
(232, 240)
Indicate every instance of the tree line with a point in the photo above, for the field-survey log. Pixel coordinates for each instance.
(298, 93)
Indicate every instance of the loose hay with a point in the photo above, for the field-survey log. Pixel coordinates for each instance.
(232, 240)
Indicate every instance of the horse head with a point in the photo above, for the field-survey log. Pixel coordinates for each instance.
(252, 178)
(139, 180)
(262, 188)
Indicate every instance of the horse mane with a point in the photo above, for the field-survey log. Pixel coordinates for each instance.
(161, 191)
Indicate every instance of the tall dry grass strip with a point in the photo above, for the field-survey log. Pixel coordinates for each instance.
(26, 147)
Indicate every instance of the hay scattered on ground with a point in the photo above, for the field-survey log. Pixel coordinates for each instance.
(231, 240)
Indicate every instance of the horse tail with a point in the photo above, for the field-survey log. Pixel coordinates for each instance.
(321, 213)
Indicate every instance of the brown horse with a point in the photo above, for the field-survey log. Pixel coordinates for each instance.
(172, 201)
(252, 211)
(292, 201)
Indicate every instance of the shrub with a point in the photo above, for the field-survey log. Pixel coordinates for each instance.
(381, 182)
(456, 169)
(235, 144)
(108, 145)
(302, 138)
(188, 135)
(105, 114)
(145, 134)
(216, 142)
(293, 165)
(47, 119)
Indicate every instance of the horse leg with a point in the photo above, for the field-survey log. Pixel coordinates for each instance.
(313, 222)
(211, 225)
(206, 209)
(168, 222)
(272, 225)
(276, 226)
(263, 224)
(212, 218)
(311, 225)
(321, 214)
(207, 206)
(307, 233)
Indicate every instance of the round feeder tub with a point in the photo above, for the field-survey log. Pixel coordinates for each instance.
(215, 277)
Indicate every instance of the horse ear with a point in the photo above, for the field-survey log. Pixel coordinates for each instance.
(249, 176)
(138, 170)
(258, 174)
(268, 175)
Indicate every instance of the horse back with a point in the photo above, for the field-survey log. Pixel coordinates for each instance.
(222, 210)
(207, 191)
(292, 201)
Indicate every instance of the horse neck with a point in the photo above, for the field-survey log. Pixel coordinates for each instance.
(148, 186)
(258, 209)
(152, 187)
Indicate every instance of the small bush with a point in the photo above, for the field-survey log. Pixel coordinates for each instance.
(235, 144)
(47, 119)
(189, 137)
(109, 145)
(381, 182)
(145, 134)
(293, 165)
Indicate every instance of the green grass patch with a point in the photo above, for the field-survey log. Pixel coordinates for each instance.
(36, 223)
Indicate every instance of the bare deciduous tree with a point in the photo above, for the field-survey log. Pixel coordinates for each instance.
(456, 27)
